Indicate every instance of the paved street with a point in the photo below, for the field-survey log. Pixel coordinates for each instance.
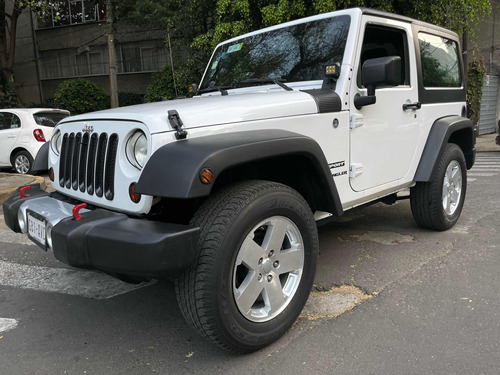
(389, 298)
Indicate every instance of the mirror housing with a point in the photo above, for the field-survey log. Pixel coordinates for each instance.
(385, 71)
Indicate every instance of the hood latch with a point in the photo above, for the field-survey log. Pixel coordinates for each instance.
(176, 122)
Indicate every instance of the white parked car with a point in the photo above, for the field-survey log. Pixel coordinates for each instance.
(22, 132)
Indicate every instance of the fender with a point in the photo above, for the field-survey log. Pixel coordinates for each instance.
(41, 162)
(441, 133)
(173, 171)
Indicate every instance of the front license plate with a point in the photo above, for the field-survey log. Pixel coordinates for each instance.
(36, 228)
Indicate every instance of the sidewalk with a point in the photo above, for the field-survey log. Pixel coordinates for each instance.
(9, 182)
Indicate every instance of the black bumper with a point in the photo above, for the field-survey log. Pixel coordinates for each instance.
(115, 243)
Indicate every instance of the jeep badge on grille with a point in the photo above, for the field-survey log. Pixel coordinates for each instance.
(87, 128)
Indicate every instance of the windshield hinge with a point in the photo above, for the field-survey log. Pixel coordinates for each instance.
(176, 122)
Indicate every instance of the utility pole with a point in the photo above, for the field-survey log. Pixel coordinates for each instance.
(113, 84)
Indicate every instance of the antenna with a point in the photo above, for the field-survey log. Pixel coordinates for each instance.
(172, 64)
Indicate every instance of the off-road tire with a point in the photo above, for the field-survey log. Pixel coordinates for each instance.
(427, 199)
(205, 292)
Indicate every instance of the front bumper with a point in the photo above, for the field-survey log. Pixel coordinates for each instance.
(105, 240)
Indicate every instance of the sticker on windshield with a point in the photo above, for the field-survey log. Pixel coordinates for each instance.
(234, 48)
(214, 65)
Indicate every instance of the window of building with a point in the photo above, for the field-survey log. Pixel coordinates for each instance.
(72, 12)
(134, 57)
(146, 56)
(440, 61)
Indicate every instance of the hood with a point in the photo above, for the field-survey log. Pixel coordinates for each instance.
(210, 110)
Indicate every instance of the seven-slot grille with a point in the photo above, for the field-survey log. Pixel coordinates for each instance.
(87, 163)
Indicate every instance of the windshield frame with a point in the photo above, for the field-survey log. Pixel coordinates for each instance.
(207, 86)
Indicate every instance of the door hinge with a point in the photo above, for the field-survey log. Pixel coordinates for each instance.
(355, 170)
(356, 121)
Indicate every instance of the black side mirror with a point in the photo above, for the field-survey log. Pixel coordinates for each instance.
(385, 71)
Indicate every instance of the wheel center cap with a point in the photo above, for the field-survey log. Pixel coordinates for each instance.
(267, 265)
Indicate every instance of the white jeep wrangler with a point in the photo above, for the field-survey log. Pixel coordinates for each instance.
(222, 191)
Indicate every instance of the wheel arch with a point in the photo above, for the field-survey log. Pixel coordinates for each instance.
(15, 151)
(276, 155)
(450, 129)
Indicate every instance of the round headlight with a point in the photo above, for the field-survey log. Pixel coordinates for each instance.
(137, 149)
(56, 142)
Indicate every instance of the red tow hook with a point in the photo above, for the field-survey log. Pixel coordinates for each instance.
(22, 191)
(77, 209)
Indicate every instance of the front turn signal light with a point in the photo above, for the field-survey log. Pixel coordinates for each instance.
(134, 197)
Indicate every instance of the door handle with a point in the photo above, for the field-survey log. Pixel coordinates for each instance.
(416, 105)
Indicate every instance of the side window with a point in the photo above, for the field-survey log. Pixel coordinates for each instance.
(9, 121)
(16, 122)
(382, 41)
(440, 64)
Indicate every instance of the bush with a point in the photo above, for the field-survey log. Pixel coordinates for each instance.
(162, 86)
(475, 81)
(129, 98)
(8, 97)
(81, 96)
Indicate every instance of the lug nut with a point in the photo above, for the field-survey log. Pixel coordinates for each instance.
(271, 253)
(276, 264)
(269, 278)
(259, 277)
(260, 261)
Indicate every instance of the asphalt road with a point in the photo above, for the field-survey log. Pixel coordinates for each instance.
(420, 302)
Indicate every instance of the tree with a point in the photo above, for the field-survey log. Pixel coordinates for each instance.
(9, 14)
(236, 17)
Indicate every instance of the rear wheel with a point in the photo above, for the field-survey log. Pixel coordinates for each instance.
(437, 204)
(23, 162)
(255, 267)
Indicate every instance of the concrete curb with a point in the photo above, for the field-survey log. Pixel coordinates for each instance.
(6, 193)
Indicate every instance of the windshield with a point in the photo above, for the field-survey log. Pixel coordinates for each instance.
(49, 118)
(291, 54)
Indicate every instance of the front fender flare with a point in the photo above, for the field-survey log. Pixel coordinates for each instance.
(173, 170)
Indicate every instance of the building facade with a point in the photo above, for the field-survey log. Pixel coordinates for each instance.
(71, 42)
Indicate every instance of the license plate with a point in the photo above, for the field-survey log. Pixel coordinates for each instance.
(36, 228)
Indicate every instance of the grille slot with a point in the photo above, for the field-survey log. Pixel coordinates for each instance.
(109, 178)
(99, 165)
(91, 164)
(87, 163)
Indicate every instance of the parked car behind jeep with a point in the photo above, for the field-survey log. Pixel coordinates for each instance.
(22, 132)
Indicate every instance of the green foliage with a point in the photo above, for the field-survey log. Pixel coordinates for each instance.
(162, 83)
(161, 87)
(8, 97)
(129, 98)
(202, 24)
(475, 79)
(81, 96)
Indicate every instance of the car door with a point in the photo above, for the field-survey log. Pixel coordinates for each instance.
(384, 136)
(10, 127)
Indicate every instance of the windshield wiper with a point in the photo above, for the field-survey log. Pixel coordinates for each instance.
(279, 82)
(221, 88)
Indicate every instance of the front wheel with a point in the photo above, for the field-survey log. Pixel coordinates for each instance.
(437, 204)
(23, 162)
(255, 266)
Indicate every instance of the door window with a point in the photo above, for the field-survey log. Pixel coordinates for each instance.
(381, 41)
(9, 121)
